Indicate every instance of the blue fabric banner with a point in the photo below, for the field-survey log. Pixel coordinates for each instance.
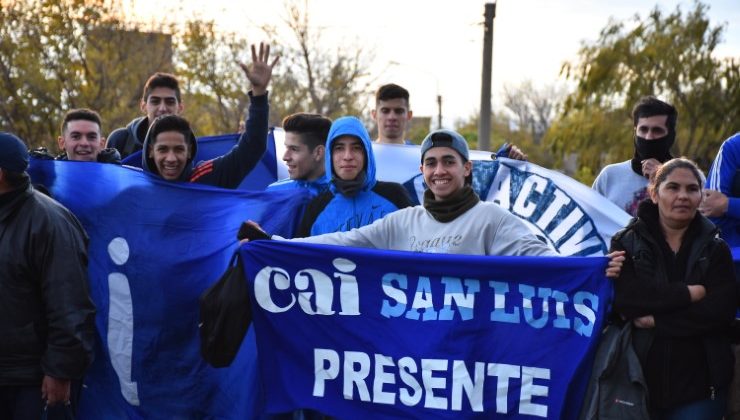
(155, 246)
(362, 333)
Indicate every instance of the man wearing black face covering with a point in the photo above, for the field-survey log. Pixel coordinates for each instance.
(625, 183)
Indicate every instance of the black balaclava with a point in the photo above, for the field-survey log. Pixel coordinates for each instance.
(658, 149)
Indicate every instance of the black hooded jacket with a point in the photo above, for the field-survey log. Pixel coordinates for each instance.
(229, 170)
(46, 314)
(128, 140)
(688, 354)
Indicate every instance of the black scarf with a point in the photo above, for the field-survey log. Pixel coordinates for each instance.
(448, 210)
(352, 187)
(8, 197)
(658, 149)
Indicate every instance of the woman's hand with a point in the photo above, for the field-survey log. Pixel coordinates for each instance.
(616, 259)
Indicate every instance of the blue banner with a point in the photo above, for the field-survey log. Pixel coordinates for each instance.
(362, 333)
(571, 217)
(155, 246)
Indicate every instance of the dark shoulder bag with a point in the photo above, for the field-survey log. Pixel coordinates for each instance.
(225, 315)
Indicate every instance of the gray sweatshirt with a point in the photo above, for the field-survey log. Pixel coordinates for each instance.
(485, 229)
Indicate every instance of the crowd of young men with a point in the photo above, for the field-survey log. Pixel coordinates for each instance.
(334, 161)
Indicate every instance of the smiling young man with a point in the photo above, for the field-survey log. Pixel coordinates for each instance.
(81, 139)
(355, 198)
(452, 220)
(625, 183)
(170, 144)
(305, 135)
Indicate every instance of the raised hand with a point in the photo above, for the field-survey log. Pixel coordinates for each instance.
(260, 72)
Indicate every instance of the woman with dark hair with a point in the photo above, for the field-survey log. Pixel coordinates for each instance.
(677, 287)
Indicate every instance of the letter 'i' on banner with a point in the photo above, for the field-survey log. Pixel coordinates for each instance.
(121, 322)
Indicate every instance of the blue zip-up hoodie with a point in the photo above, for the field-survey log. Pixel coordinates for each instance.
(332, 211)
(351, 126)
(315, 187)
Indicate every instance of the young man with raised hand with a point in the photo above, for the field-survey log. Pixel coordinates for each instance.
(170, 145)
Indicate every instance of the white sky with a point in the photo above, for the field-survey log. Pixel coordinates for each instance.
(435, 46)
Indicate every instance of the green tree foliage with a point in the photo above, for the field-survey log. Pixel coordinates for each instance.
(215, 86)
(56, 55)
(506, 129)
(666, 55)
(312, 78)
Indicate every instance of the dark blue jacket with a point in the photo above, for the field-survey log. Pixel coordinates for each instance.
(229, 170)
(130, 139)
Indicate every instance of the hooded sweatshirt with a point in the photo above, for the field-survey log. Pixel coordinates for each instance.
(135, 131)
(335, 211)
(226, 171)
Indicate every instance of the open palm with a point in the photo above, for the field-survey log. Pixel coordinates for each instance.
(260, 72)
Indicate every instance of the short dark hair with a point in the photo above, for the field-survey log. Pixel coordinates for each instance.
(650, 106)
(391, 91)
(312, 128)
(167, 123)
(81, 114)
(165, 80)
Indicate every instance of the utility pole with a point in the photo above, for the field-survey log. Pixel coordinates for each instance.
(439, 112)
(484, 124)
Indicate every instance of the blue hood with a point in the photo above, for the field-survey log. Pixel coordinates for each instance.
(351, 126)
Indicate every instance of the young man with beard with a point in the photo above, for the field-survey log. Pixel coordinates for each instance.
(305, 135)
(625, 183)
(170, 144)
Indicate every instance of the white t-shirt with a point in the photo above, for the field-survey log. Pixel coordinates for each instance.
(622, 186)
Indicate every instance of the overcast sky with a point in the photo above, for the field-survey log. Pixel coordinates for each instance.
(433, 47)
